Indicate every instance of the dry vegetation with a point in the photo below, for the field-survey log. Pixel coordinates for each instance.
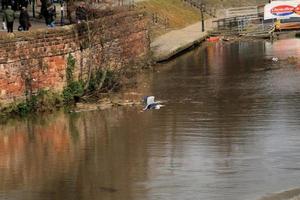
(167, 15)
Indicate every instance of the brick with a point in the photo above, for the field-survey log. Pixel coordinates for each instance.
(44, 52)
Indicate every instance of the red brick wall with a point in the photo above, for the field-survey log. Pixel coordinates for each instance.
(116, 41)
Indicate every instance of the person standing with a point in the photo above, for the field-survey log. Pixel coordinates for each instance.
(24, 3)
(44, 12)
(24, 19)
(81, 13)
(9, 17)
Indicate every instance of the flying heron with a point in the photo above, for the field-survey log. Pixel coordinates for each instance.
(275, 59)
(151, 103)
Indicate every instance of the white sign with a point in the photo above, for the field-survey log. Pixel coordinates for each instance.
(282, 10)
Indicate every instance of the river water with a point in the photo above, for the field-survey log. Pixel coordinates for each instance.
(229, 131)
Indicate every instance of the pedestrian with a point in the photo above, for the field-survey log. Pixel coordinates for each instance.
(15, 5)
(81, 13)
(24, 3)
(9, 17)
(43, 11)
(4, 4)
(24, 19)
(51, 14)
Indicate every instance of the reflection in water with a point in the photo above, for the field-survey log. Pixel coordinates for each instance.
(229, 131)
(70, 157)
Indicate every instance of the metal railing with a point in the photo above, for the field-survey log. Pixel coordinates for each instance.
(202, 6)
(159, 20)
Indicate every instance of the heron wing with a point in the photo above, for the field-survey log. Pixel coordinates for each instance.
(149, 106)
(150, 100)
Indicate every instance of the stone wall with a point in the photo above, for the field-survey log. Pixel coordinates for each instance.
(40, 57)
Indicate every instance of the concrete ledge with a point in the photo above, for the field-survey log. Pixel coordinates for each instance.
(174, 42)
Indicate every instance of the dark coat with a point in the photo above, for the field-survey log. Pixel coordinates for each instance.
(24, 18)
(81, 13)
(50, 16)
(44, 11)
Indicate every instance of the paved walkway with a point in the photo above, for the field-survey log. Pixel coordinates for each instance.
(170, 44)
(174, 42)
(34, 25)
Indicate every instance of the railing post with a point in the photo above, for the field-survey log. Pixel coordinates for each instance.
(62, 13)
(202, 16)
(33, 8)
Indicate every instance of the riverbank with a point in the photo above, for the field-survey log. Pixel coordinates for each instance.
(175, 42)
(170, 44)
(175, 26)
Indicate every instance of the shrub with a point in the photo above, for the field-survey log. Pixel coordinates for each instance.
(73, 91)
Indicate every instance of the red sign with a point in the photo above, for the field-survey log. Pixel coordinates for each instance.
(283, 10)
(297, 10)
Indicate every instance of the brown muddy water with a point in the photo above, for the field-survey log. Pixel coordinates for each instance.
(230, 130)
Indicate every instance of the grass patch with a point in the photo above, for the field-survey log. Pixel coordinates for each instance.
(177, 13)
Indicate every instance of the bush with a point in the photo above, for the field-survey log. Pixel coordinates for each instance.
(46, 100)
(42, 101)
(104, 81)
(73, 91)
